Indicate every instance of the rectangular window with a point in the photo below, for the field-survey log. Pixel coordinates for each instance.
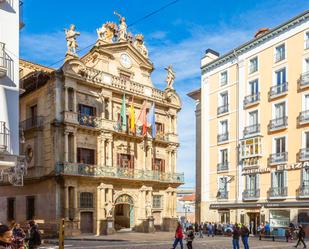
(251, 183)
(251, 147)
(307, 140)
(223, 156)
(280, 145)
(224, 101)
(281, 77)
(10, 209)
(253, 118)
(86, 200)
(305, 177)
(223, 184)
(30, 207)
(280, 110)
(306, 104)
(253, 65)
(87, 110)
(254, 87)
(157, 201)
(223, 127)
(306, 69)
(86, 156)
(280, 53)
(158, 165)
(223, 78)
(125, 161)
(279, 181)
(159, 128)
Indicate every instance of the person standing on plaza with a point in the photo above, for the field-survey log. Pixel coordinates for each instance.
(267, 229)
(235, 236)
(5, 237)
(301, 236)
(190, 237)
(244, 232)
(201, 230)
(210, 229)
(35, 236)
(178, 236)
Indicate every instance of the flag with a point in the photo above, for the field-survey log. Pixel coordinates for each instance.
(152, 120)
(142, 119)
(123, 114)
(132, 117)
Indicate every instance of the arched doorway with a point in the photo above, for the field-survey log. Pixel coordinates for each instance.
(124, 212)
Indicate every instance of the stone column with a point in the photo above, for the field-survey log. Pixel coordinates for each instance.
(102, 151)
(109, 157)
(100, 209)
(66, 202)
(66, 146)
(148, 165)
(74, 101)
(74, 148)
(75, 204)
(66, 99)
(110, 108)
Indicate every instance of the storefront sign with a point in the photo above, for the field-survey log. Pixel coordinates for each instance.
(293, 166)
(279, 218)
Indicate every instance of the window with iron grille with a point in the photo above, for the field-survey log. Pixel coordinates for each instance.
(157, 201)
(86, 200)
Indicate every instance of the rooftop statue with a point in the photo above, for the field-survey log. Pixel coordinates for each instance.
(170, 77)
(140, 46)
(107, 32)
(102, 32)
(122, 31)
(70, 36)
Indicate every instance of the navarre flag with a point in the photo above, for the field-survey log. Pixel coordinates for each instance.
(142, 119)
(123, 114)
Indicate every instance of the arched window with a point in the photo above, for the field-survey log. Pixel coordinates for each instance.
(86, 200)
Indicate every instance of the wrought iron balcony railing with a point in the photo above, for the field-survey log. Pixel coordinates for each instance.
(303, 80)
(222, 166)
(222, 195)
(303, 117)
(222, 109)
(304, 154)
(4, 137)
(88, 120)
(278, 192)
(251, 99)
(303, 191)
(252, 129)
(77, 169)
(278, 158)
(278, 123)
(251, 194)
(223, 137)
(278, 90)
(31, 123)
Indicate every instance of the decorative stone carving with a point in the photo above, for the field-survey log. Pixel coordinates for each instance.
(140, 46)
(109, 207)
(170, 77)
(122, 31)
(102, 32)
(70, 36)
(148, 209)
(107, 32)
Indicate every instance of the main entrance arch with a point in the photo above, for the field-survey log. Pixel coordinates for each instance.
(124, 212)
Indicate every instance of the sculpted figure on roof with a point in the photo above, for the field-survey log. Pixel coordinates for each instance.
(70, 36)
(170, 77)
(140, 46)
(122, 31)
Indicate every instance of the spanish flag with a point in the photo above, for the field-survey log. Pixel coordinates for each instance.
(132, 117)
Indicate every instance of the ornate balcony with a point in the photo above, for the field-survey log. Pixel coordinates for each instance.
(36, 122)
(278, 158)
(4, 137)
(223, 137)
(303, 118)
(303, 191)
(278, 124)
(222, 195)
(277, 193)
(277, 91)
(251, 100)
(252, 130)
(223, 166)
(76, 169)
(222, 109)
(303, 154)
(303, 81)
(251, 194)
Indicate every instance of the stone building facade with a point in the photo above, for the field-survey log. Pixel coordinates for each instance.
(81, 166)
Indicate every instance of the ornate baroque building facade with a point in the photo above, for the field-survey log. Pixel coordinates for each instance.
(81, 166)
(252, 121)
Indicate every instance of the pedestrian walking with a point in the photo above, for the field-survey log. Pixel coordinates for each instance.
(18, 237)
(190, 237)
(301, 236)
(35, 236)
(210, 229)
(5, 237)
(235, 236)
(178, 237)
(267, 229)
(201, 230)
(244, 232)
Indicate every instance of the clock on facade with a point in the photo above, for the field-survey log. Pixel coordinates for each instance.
(125, 60)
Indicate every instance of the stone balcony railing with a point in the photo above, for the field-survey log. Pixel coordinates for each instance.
(36, 122)
(278, 192)
(76, 169)
(251, 194)
(97, 76)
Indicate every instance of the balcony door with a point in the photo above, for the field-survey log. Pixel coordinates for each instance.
(87, 110)
(223, 127)
(224, 99)
(280, 145)
(252, 182)
(280, 111)
(279, 179)
(306, 69)
(254, 87)
(281, 77)
(306, 140)
(223, 155)
(305, 177)
(125, 161)
(223, 184)
(253, 118)
(158, 165)
(86, 156)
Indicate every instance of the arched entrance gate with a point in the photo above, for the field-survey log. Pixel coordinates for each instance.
(124, 212)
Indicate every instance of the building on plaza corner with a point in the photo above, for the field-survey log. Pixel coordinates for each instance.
(254, 102)
(87, 162)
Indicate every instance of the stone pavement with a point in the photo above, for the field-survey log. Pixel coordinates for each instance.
(160, 240)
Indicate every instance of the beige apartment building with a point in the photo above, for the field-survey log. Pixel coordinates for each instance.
(253, 130)
(82, 165)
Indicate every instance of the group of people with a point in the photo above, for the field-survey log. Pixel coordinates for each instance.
(15, 237)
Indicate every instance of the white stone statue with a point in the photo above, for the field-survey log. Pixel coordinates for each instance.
(102, 33)
(70, 36)
(148, 209)
(170, 77)
(122, 31)
(140, 46)
(109, 207)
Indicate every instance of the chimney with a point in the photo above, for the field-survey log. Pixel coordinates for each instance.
(261, 32)
(209, 56)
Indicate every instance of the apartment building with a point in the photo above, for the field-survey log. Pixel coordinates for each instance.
(254, 129)
(11, 164)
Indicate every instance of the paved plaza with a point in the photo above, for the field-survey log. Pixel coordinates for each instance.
(160, 240)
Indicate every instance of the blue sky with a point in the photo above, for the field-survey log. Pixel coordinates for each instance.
(178, 35)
